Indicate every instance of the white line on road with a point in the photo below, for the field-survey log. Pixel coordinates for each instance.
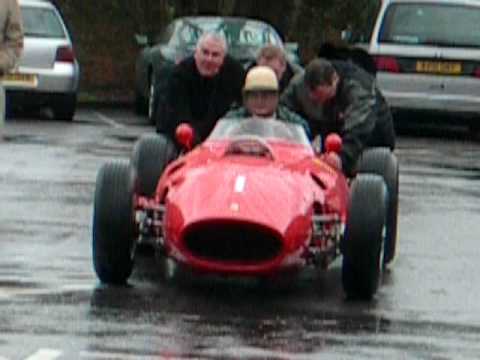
(9, 292)
(45, 354)
(109, 121)
(118, 356)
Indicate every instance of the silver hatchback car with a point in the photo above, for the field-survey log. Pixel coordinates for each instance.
(427, 54)
(48, 73)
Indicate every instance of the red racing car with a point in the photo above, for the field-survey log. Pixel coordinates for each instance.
(255, 199)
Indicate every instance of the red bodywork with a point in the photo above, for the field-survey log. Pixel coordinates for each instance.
(254, 215)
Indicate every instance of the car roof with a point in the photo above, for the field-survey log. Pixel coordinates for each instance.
(218, 18)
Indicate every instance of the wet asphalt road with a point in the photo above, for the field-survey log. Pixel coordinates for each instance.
(52, 306)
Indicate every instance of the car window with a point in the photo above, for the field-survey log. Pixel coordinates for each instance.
(42, 22)
(431, 24)
(270, 129)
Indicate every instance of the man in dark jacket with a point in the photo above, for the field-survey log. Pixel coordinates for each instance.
(338, 96)
(202, 88)
(275, 58)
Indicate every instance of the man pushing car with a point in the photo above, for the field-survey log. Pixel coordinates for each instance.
(340, 97)
(202, 88)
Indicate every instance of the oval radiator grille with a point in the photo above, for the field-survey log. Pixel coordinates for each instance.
(232, 242)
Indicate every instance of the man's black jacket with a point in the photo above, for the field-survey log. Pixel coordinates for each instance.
(198, 100)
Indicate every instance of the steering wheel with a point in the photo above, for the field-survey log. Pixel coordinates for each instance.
(249, 146)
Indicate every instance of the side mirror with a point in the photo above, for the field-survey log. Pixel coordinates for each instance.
(333, 143)
(184, 134)
(141, 40)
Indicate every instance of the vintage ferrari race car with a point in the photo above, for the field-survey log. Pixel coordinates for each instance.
(255, 200)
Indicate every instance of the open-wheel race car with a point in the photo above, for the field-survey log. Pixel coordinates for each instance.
(255, 199)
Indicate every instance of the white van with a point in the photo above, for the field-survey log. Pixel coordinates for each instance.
(427, 54)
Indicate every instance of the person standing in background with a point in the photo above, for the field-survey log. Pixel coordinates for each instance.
(275, 58)
(11, 46)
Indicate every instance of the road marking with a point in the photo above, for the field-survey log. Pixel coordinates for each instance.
(45, 354)
(109, 121)
(119, 356)
(9, 292)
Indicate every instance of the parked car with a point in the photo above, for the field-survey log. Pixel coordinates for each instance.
(217, 209)
(48, 73)
(244, 37)
(427, 54)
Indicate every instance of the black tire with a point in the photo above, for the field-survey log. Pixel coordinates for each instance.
(64, 107)
(383, 162)
(113, 243)
(364, 234)
(151, 155)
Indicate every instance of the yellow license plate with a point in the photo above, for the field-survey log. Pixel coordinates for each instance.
(20, 80)
(451, 68)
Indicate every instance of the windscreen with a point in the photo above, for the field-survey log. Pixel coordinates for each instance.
(270, 129)
(41, 22)
(431, 24)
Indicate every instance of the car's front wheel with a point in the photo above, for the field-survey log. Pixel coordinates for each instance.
(113, 246)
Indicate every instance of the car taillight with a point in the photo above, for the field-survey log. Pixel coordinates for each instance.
(387, 63)
(65, 54)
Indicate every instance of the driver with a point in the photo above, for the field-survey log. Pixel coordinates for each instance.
(261, 99)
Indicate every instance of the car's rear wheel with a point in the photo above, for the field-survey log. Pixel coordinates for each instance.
(152, 98)
(151, 155)
(64, 107)
(362, 246)
(113, 243)
(383, 162)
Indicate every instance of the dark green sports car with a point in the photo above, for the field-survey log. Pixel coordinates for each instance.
(155, 62)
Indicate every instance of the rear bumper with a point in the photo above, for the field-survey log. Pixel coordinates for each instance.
(20, 98)
(62, 78)
(450, 95)
(461, 105)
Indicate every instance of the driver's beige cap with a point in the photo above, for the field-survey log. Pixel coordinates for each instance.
(261, 78)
